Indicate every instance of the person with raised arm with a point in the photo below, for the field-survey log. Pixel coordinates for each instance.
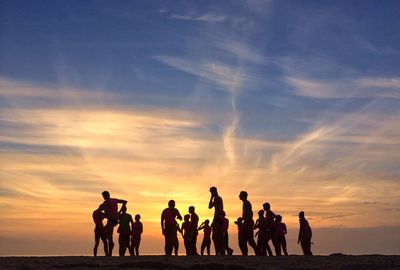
(111, 210)
(169, 227)
(205, 226)
(217, 223)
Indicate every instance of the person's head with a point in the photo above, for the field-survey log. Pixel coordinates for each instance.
(186, 217)
(278, 218)
(191, 209)
(243, 195)
(171, 204)
(207, 222)
(261, 213)
(266, 206)
(137, 218)
(301, 215)
(106, 195)
(123, 208)
(213, 191)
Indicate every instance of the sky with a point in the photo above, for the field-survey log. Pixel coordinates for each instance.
(296, 102)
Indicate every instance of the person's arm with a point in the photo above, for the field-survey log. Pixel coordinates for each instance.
(140, 228)
(300, 233)
(257, 224)
(201, 227)
(162, 223)
(284, 228)
(211, 203)
(122, 201)
(178, 215)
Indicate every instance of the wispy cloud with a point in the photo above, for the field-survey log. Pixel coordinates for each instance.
(208, 18)
(346, 88)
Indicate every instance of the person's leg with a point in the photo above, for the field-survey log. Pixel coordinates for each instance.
(137, 245)
(203, 246)
(284, 246)
(208, 248)
(96, 243)
(243, 246)
(308, 243)
(278, 245)
(303, 246)
(110, 240)
(268, 237)
(105, 243)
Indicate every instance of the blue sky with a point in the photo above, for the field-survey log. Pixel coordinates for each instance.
(299, 97)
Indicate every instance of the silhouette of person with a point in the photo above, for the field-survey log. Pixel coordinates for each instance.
(124, 230)
(225, 234)
(280, 240)
(111, 211)
(242, 244)
(186, 233)
(99, 230)
(305, 234)
(169, 227)
(216, 225)
(248, 222)
(261, 225)
(194, 222)
(175, 243)
(137, 230)
(270, 218)
(206, 237)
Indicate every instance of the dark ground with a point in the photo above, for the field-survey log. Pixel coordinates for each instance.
(212, 262)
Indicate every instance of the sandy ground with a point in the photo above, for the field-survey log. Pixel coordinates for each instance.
(212, 262)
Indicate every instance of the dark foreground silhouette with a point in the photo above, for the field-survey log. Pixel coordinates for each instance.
(203, 262)
(269, 227)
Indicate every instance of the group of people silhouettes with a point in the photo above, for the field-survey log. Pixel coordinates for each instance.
(269, 228)
(129, 231)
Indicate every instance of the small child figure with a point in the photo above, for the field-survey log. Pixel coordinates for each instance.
(241, 240)
(280, 240)
(261, 225)
(207, 236)
(137, 230)
(186, 233)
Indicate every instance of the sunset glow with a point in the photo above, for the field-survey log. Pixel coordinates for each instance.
(153, 102)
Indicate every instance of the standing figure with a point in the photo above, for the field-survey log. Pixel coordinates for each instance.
(242, 244)
(207, 236)
(169, 227)
(186, 233)
(217, 223)
(137, 230)
(248, 222)
(111, 211)
(261, 225)
(99, 230)
(225, 234)
(124, 230)
(270, 218)
(280, 240)
(305, 235)
(194, 223)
